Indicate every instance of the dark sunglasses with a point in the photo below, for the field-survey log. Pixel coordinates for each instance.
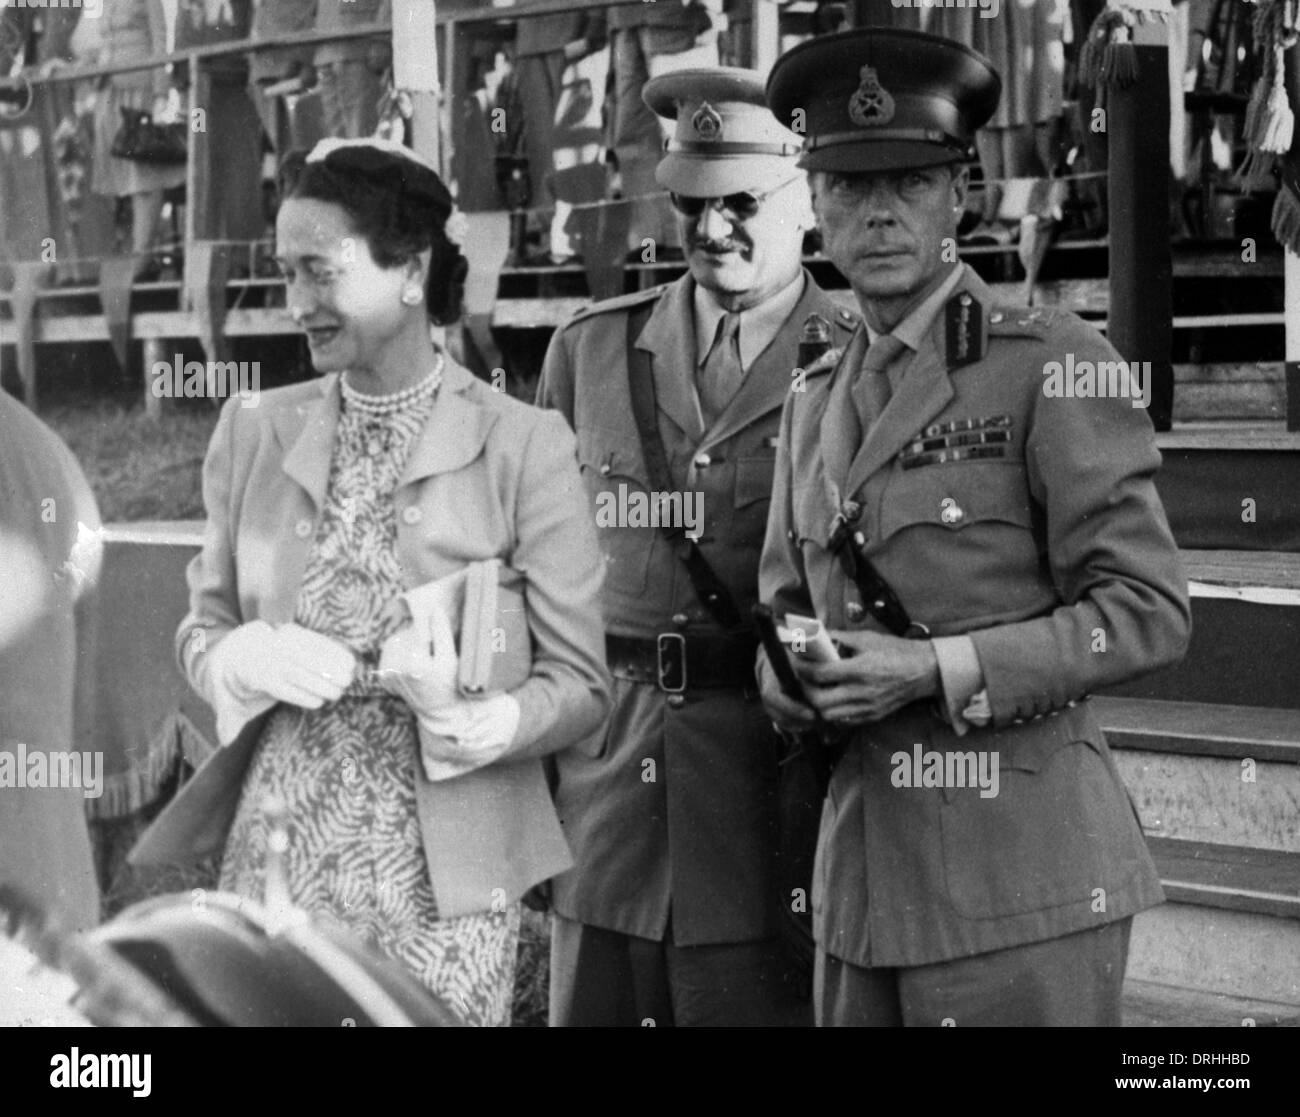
(744, 204)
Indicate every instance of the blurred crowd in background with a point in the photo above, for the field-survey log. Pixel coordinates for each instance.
(551, 116)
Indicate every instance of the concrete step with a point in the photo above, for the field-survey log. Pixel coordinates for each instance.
(1232, 485)
(1148, 1004)
(1231, 927)
(1223, 774)
(1245, 644)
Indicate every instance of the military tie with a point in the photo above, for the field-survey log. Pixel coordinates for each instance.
(722, 373)
(871, 392)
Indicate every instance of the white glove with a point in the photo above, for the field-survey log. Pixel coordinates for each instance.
(255, 666)
(468, 734)
(418, 662)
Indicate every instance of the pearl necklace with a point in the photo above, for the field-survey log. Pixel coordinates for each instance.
(395, 401)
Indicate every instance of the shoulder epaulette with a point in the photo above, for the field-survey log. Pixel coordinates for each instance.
(618, 302)
(1023, 321)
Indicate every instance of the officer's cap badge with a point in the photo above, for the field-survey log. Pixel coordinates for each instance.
(871, 103)
(707, 123)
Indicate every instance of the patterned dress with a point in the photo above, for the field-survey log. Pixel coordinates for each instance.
(346, 772)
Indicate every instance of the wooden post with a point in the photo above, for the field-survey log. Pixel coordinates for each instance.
(154, 353)
(198, 167)
(766, 38)
(415, 69)
(1291, 314)
(1140, 314)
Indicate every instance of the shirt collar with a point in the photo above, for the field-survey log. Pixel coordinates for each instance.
(912, 329)
(758, 325)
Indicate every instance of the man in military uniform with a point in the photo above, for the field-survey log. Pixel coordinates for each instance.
(986, 551)
(669, 913)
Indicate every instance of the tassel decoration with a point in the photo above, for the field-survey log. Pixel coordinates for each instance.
(1094, 46)
(1119, 64)
(1286, 215)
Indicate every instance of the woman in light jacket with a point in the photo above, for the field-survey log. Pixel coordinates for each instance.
(417, 821)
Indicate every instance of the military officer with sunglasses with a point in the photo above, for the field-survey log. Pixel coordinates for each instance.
(670, 912)
(987, 550)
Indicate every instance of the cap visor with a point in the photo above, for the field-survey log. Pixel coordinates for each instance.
(885, 155)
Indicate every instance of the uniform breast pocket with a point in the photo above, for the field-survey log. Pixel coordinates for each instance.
(957, 497)
(620, 500)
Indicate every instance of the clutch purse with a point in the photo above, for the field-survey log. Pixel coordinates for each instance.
(484, 602)
(142, 141)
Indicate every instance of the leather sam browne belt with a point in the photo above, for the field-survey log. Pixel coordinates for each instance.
(675, 662)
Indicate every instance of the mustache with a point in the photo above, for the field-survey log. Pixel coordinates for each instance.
(729, 244)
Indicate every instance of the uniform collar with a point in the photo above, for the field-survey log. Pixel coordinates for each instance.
(911, 331)
(758, 325)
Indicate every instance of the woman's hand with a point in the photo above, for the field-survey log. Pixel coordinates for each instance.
(467, 734)
(418, 663)
(255, 666)
(289, 663)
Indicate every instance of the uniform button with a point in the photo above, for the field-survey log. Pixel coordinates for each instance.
(302, 529)
(676, 700)
(412, 514)
(681, 620)
(854, 611)
(604, 470)
(702, 460)
(996, 317)
(950, 512)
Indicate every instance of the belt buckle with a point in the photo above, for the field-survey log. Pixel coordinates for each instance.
(672, 676)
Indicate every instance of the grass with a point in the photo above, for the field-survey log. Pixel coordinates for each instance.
(139, 469)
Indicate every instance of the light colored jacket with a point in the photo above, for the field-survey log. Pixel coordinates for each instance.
(488, 477)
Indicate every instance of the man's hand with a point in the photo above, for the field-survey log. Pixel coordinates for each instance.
(883, 674)
(786, 712)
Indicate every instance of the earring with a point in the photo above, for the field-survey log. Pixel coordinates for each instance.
(410, 297)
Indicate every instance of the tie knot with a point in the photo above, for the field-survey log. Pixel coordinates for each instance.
(730, 325)
(882, 353)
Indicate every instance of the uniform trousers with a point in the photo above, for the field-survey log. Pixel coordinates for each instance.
(1071, 981)
(602, 978)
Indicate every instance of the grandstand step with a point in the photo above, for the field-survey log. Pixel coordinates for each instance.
(1223, 774)
(1210, 875)
(1200, 729)
(1237, 390)
(1228, 946)
(1148, 1004)
(1232, 485)
(1245, 634)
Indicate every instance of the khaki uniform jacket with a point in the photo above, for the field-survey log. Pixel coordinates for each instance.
(1055, 556)
(676, 811)
(488, 477)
